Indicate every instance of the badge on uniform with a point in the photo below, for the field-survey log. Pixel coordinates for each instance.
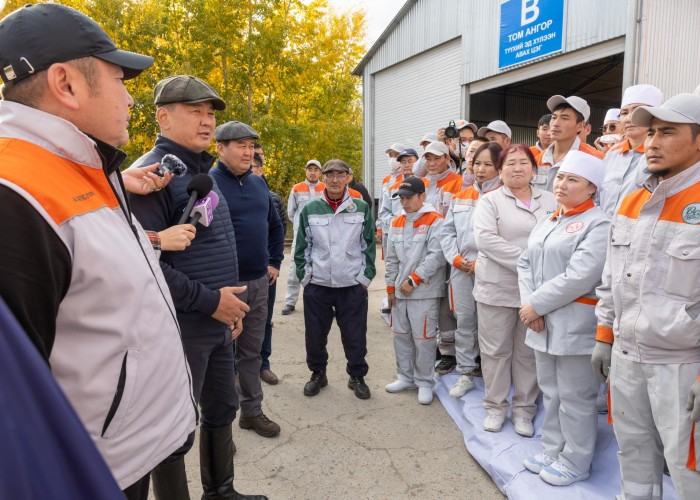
(352, 208)
(421, 229)
(691, 213)
(574, 227)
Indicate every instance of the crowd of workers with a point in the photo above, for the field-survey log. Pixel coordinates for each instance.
(539, 267)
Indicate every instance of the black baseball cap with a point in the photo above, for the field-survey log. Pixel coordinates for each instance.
(411, 186)
(36, 36)
(407, 152)
(187, 90)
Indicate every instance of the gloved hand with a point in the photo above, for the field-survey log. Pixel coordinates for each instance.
(693, 403)
(600, 359)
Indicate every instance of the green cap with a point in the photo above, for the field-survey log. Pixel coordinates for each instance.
(187, 90)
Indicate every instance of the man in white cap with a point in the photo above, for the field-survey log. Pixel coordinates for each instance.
(301, 194)
(625, 162)
(459, 145)
(419, 169)
(390, 203)
(649, 305)
(569, 117)
(611, 130)
(497, 131)
(393, 177)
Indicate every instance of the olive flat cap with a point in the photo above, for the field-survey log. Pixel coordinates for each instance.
(231, 131)
(187, 90)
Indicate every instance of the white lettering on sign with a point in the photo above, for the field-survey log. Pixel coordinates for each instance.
(529, 12)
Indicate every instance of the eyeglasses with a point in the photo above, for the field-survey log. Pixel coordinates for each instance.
(612, 127)
(336, 177)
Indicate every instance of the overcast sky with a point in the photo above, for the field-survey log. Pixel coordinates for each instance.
(379, 13)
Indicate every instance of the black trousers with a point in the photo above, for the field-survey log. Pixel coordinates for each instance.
(349, 306)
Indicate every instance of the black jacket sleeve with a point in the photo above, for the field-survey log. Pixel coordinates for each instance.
(35, 269)
(275, 242)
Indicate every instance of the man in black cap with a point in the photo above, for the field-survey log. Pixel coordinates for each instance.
(77, 270)
(260, 243)
(203, 288)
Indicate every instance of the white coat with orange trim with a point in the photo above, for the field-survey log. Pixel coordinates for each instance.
(441, 188)
(624, 173)
(414, 250)
(557, 275)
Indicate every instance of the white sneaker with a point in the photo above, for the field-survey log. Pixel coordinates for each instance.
(538, 462)
(425, 395)
(399, 386)
(493, 422)
(463, 385)
(523, 426)
(559, 474)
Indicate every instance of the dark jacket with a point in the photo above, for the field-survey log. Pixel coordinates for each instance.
(259, 233)
(195, 274)
(358, 186)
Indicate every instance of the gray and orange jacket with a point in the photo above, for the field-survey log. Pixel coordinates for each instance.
(547, 169)
(299, 196)
(441, 188)
(413, 249)
(650, 292)
(77, 256)
(624, 173)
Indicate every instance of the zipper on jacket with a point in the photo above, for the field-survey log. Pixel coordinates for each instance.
(117, 395)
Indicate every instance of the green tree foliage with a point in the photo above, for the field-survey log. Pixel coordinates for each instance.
(284, 66)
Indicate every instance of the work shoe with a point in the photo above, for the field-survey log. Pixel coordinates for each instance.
(463, 385)
(313, 386)
(400, 386)
(287, 310)
(358, 385)
(260, 424)
(523, 426)
(446, 364)
(601, 402)
(538, 462)
(241, 496)
(425, 395)
(269, 377)
(493, 422)
(558, 474)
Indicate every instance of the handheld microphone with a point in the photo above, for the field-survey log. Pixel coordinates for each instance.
(173, 164)
(199, 187)
(203, 211)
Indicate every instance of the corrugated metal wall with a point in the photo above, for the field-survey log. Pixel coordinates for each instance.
(668, 48)
(587, 22)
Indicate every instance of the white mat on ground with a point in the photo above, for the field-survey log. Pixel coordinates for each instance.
(501, 454)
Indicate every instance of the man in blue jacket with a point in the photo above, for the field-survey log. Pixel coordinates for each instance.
(260, 244)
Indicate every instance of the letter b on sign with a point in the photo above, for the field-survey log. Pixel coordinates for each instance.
(530, 12)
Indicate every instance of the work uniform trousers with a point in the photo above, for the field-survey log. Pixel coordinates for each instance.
(249, 345)
(569, 389)
(462, 303)
(651, 423)
(414, 324)
(504, 359)
(349, 306)
(290, 299)
(447, 323)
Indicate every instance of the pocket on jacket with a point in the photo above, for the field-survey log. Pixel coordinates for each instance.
(620, 245)
(486, 270)
(123, 394)
(683, 269)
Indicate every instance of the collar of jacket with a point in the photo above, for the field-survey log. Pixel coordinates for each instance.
(548, 155)
(583, 207)
(225, 170)
(626, 146)
(424, 209)
(196, 162)
(438, 177)
(112, 158)
(488, 185)
(673, 185)
(339, 205)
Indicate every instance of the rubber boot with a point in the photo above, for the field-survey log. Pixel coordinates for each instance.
(216, 466)
(170, 480)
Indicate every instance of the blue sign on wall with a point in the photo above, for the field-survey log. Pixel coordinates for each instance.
(530, 29)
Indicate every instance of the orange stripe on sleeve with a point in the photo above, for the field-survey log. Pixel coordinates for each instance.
(391, 289)
(586, 300)
(457, 261)
(692, 463)
(604, 334)
(416, 279)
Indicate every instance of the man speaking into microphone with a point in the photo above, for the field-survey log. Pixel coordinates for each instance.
(203, 287)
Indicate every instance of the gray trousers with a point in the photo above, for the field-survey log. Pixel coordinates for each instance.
(504, 359)
(293, 285)
(569, 389)
(447, 323)
(651, 423)
(466, 341)
(414, 324)
(249, 344)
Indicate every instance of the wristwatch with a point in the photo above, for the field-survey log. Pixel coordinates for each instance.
(411, 282)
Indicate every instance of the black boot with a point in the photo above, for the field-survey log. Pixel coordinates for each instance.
(170, 480)
(216, 466)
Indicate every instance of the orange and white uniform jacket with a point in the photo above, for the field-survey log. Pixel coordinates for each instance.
(391, 204)
(300, 195)
(624, 173)
(547, 169)
(388, 183)
(441, 188)
(650, 292)
(354, 193)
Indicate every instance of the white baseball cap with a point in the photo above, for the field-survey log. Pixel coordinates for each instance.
(642, 94)
(681, 108)
(313, 163)
(587, 166)
(460, 124)
(575, 102)
(431, 137)
(398, 147)
(496, 126)
(612, 115)
(437, 148)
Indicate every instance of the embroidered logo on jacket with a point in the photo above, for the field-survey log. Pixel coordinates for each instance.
(421, 229)
(691, 213)
(574, 227)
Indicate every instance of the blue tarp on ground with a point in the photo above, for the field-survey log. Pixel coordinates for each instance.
(501, 454)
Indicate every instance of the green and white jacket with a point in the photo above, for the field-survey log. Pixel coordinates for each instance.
(335, 249)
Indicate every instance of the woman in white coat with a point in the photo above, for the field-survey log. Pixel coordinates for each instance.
(502, 225)
(558, 274)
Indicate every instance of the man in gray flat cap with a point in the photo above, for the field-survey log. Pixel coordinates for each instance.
(260, 243)
(203, 289)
